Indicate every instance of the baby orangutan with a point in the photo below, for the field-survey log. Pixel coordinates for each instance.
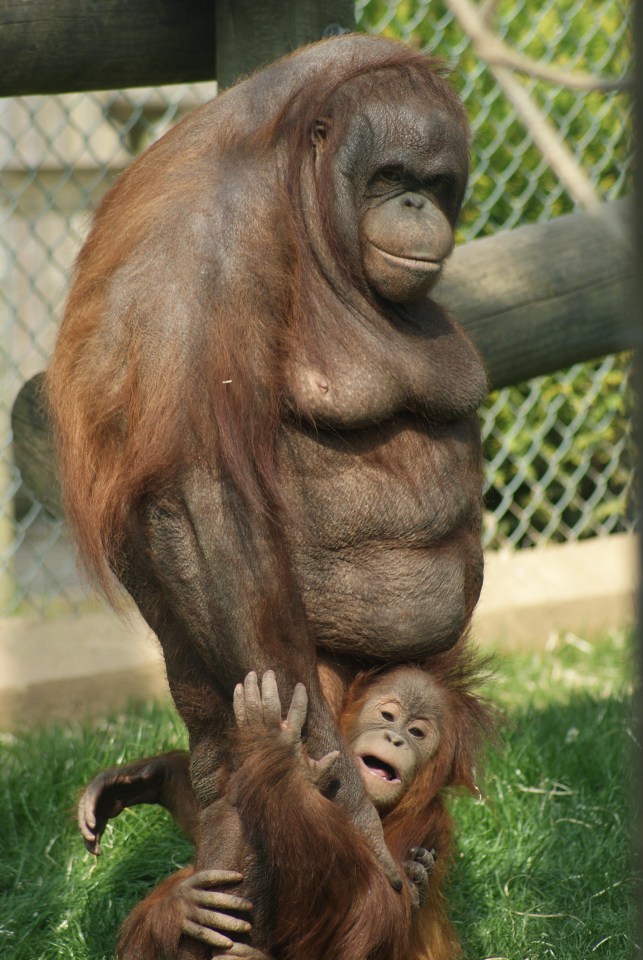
(412, 733)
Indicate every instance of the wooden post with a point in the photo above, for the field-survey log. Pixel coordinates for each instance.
(252, 33)
(74, 45)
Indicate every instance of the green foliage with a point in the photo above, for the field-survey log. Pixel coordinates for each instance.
(56, 900)
(560, 456)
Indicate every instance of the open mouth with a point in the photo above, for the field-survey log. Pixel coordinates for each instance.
(379, 768)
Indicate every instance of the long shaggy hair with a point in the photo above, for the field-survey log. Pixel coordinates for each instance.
(174, 344)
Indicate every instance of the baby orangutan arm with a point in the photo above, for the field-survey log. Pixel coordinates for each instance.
(418, 869)
(337, 902)
(185, 902)
(258, 716)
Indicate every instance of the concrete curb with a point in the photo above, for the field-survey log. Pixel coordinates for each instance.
(584, 587)
(74, 667)
(78, 667)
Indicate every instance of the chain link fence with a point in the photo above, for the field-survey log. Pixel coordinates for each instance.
(559, 456)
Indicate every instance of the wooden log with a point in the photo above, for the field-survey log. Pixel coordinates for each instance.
(535, 300)
(68, 46)
(544, 296)
(72, 45)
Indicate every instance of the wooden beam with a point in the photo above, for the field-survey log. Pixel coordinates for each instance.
(66, 46)
(535, 300)
(544, 296)
(253, 33)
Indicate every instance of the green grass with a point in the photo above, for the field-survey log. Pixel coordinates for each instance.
(543, 866)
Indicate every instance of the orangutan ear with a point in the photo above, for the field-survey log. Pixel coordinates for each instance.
(319, 132)
(463, 772)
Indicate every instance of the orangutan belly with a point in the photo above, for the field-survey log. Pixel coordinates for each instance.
(385, 534)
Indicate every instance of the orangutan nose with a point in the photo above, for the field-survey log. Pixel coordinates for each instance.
(394, 738)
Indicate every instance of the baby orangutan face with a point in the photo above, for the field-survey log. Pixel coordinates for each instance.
(397, 733)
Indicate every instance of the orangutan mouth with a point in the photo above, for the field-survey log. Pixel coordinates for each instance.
(380, 768)
(424, 265)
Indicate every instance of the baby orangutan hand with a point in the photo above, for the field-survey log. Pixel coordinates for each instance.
(418, 870)
(259, 713)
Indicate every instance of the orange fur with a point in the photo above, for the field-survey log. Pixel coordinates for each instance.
(336, 902)
(153, 928)
(196, 296)
(153, 368)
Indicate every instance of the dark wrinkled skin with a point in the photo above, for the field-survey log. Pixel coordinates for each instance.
(163, 780)
(378, 450)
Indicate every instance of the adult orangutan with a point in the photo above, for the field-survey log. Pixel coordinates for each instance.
(412, 733)
(266, 428)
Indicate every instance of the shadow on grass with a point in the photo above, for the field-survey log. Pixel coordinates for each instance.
(542, 869)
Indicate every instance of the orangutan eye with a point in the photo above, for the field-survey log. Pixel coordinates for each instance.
(418, 732)
(389, 177)
(387, 715)
(319, 131)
